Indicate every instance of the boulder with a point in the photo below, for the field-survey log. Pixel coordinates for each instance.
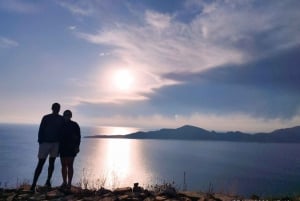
(137, 188)
(122, 190)
(54, 194)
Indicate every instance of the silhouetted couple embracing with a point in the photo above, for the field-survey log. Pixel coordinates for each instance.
(58, 136)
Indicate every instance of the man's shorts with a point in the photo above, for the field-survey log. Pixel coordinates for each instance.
(47, 148)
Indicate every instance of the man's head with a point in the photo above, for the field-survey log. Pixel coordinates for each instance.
(55, 108)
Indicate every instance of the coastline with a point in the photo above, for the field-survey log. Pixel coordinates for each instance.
(159, 193)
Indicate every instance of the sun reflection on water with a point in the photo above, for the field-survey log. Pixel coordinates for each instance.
(119, 162)
(110, 130)
(118, 159)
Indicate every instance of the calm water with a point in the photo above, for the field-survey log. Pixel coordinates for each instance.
(243, 168)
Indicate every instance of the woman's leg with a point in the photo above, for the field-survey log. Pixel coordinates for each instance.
(70, 170)
(64, 162)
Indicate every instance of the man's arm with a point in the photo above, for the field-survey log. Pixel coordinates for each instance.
(41, 131)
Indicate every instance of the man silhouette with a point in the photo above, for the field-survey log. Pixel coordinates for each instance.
(48, 139)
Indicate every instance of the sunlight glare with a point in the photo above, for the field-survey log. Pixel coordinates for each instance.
(115, 130)
(123, 79)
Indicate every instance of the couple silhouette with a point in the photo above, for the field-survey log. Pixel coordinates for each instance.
(58, 136)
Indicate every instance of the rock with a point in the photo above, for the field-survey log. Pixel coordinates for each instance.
(185, 199)
(122, 190)
(108, 194)
(69, 197)
(102, 191)
(137, 188)
(225, 197)
(25, 187)
(141, 196)
(37, 197)
(42, 189)
(89, 199)
(11, 197)
(111, 198)
(160, 198)
(87, 193)
(169, 191)
(123, 197)
(149, 199)
(23, 196)
(10, 190)
(54, 194)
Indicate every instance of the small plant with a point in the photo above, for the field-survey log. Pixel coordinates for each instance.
(166, 188)
(5, 184)
(86, 182)
(100, 183)
(210, 189)
(22, 183)
(83, 182)
(115, 183)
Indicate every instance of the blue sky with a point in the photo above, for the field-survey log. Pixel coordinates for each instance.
(217, 64)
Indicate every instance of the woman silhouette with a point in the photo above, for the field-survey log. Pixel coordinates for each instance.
(69, 148)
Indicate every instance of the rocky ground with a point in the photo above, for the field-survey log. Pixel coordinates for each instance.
(135, 193)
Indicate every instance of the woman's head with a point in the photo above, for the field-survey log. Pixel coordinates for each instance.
(67, 114)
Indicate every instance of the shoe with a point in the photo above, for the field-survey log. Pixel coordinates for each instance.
(48, 184)
(63, 186)
(33, 189)
(69, 186)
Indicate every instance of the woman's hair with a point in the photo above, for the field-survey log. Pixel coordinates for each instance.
(68, 113)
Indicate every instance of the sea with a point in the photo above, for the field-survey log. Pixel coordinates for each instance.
(263, 169)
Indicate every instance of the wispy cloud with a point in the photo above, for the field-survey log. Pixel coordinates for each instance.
(158, 20)
(218, 34)
(223, 32)
(83, 8)
(72, 28)
(7, 43)
(19, 6)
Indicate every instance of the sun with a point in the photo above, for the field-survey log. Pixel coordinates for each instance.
(123, 79)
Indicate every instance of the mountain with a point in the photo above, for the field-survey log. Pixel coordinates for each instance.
(187, 132)
(184, 133)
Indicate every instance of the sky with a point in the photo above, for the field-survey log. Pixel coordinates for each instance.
(218, 64)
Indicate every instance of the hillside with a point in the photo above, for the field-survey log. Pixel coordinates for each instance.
(187, 132)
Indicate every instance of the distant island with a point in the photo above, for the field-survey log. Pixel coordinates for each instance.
(187, 132)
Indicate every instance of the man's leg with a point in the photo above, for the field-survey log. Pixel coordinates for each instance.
(37, 172)
(50, 170)
(54, 147)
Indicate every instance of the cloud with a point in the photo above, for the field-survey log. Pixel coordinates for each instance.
(19, 6)
(264, 89)
(267, 88)
(279, 71)
(72, 28)
(83, 8)
(215, 36)
(96, 12)
(226, 122)
(228, 58)
(168, 48)
(7, 43)
(221, 34)
(158, 20)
